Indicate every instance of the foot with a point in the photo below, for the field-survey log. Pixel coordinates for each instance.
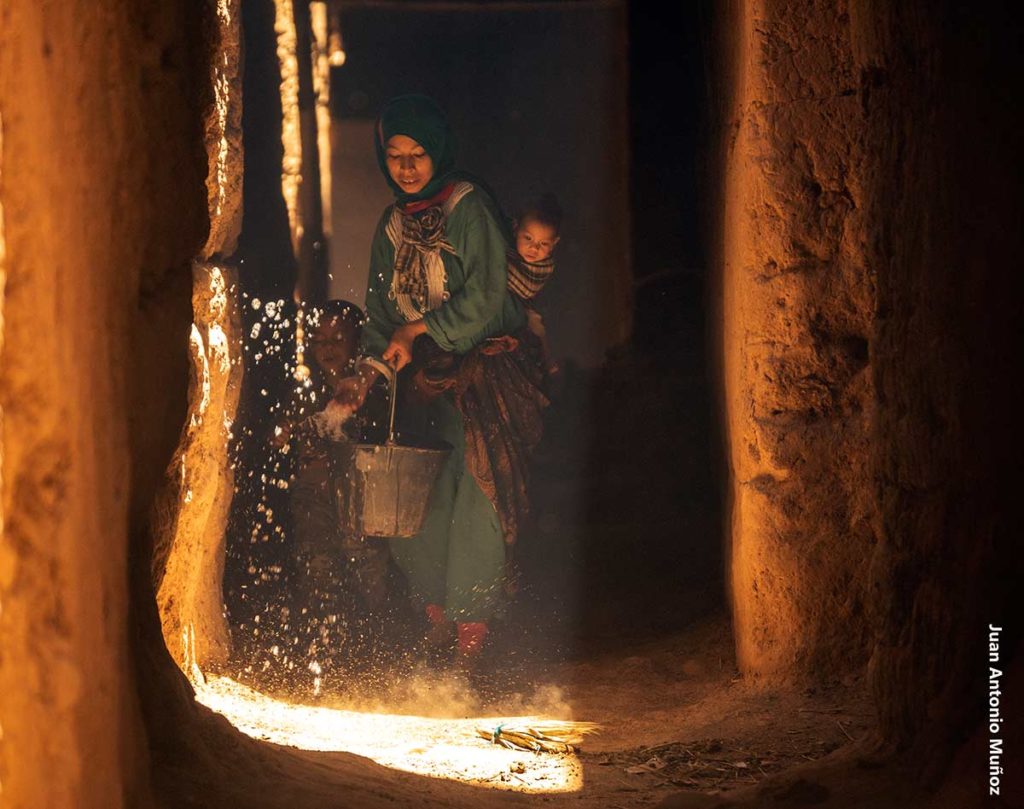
(440, 636)
(472, 636)
(474, 666)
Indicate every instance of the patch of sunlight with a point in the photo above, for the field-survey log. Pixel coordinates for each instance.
(435, 747)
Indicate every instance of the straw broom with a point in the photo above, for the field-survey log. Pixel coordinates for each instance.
(540, 736)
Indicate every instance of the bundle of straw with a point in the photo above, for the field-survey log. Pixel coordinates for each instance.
(540, 736)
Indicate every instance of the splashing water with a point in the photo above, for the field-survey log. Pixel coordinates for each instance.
(318, 674)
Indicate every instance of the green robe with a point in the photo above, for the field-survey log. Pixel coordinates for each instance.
(457, 561)
(480, 305)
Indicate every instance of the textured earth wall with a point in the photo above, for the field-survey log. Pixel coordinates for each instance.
(946, 238)
(872, 228)
(188, 520)
(799, 301)
(119, 169)
(105, 207)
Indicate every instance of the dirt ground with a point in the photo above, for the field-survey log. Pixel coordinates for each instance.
(676, 716)
(621, 624)
(677, 721)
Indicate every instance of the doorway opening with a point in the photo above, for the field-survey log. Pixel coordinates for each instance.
(620, 614)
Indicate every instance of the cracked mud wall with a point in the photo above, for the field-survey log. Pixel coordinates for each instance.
(799, 300)
(872, 310)
(104, 170)
(939, 94)
(192, 507)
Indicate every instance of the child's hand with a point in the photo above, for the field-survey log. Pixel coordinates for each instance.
(350, 392)
(282, 434)
(534, 322)
(338, 412)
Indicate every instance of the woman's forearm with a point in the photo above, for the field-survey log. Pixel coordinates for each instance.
(415, 328)
(481, 248)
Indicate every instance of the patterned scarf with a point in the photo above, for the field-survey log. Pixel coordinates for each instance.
(421, 243)
(526, 279)
(416, 230)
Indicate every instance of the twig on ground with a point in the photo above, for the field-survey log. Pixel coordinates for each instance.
(540, 736)
(657, 748)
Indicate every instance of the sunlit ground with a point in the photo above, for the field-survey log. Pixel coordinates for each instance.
(437, 747)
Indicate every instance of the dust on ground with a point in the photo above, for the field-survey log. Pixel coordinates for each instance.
(675, 716)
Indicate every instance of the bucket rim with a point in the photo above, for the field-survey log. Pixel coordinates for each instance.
(421, 445)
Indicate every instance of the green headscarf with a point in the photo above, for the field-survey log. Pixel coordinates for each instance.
(420, 118)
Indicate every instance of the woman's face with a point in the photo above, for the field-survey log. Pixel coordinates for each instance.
(408, 163)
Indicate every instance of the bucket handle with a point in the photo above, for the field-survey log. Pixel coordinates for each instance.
(393, 395)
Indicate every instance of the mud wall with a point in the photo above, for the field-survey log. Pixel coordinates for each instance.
(871, 227)
(104, 206)
(947, 241)
(191, 511)
(799, 302)
(111, 177)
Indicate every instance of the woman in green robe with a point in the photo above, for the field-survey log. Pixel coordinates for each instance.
(438, 268)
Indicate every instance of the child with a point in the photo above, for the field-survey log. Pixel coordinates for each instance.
(536, 231)
(325, 556)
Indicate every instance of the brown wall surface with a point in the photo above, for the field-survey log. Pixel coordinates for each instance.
(938, 92)
(104, 206)
(871, 317)
(799, 301)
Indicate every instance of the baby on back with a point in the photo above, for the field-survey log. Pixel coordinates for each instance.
(536, 231)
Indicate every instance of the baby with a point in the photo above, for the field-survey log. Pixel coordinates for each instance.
(536, 231)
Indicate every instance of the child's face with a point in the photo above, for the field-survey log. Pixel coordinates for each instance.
(535, 240)
(333, 344)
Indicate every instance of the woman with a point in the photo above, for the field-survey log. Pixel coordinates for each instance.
(438, 271)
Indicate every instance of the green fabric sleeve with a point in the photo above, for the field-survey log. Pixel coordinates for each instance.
(473, 230)
(380, 320)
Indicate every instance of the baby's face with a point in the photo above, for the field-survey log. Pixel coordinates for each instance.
(333, 344)
(535, 240)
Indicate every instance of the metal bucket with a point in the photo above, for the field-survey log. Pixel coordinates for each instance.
(384, 490)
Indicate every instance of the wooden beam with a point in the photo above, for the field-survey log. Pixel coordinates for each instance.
(475, 6)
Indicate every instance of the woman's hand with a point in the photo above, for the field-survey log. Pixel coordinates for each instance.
(398, 354)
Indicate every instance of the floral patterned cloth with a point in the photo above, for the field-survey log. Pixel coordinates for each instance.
(497, 387)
